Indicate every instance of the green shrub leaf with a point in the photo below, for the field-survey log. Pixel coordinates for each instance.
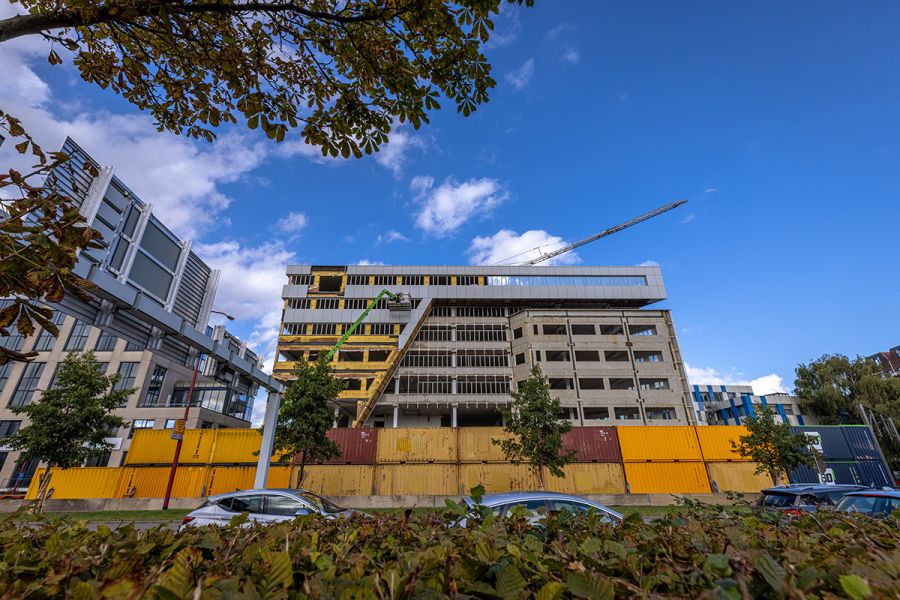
(855, 586)
(510, 583)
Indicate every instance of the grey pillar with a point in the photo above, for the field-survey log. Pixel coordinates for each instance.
(453, 416)
(268, 440)
(396, 415)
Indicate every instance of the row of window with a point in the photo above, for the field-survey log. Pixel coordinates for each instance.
(586, 329)
(332, 329)
(495, 280)
(444, 384)
(611, 383)
(640, 356)
(459, 358)
(31, 375)
(463, 333)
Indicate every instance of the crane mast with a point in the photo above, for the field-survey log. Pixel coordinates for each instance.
(604, 233)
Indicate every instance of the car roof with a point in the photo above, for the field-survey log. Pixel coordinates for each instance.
(505, 497)
(890, 493)
(805, 488)
(285, 491)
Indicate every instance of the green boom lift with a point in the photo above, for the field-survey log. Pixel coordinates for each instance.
(399, 301)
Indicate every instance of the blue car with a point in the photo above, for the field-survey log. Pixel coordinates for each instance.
(541, 503)
(874, 503)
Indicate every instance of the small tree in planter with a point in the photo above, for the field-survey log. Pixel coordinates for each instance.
(71, 421)
(534, 418)
(304, 417)
(772, 445)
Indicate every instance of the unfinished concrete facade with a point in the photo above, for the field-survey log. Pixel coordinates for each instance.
(474, 332)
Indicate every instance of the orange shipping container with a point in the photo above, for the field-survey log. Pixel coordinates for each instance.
(231, 479)
(339, 480)
(715, 441)
(156, 447)
(476, 445)
(416, 480)
(667, 443)
(235, 446)
(737, 477)
(497, 478)
(150, 482)
(78, 482)
(417, 445)
(588, 478)
(667, 477)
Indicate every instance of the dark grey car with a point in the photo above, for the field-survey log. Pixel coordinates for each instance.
(798, 498)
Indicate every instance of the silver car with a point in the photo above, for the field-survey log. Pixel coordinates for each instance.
(541, 503)
(263, 506)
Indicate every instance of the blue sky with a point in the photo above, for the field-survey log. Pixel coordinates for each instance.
(778, 121)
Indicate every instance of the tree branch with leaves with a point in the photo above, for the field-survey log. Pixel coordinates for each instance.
(773, 446)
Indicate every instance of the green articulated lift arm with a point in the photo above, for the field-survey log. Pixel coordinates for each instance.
(399, 301)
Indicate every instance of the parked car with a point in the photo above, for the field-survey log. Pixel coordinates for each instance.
(797, 498)
(874, 503)
(263, 506)
(541, 503)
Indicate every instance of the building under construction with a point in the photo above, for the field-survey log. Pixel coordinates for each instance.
(451, 352)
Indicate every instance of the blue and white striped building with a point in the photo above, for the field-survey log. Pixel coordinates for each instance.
(731, 404)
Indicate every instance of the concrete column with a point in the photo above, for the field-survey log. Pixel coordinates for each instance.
(396, 415)
(268, 439)
(453, 416)
(337, 416)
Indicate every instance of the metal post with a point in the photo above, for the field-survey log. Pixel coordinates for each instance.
(268, 440)
(396, 415)
(453, 416)
(187, 408)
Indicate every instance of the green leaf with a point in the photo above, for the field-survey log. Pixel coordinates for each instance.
(855, 586)
(551, 591)
(510, 583)
(589, 585)
(719, 565)
(771, 571)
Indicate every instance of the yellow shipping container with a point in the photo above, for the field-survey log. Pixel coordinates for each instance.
(78, 482)
(416, 480)
(150, 482)
(737, 477)
(236, 446)
(497, 478)
(658, 443)
(339, 480)
(667, 477)
(588, 478)
(715, 441)
(229, 479)
(417, 445)
(475, 444)
(156, 447)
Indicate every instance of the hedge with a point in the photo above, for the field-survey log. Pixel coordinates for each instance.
(702, 552)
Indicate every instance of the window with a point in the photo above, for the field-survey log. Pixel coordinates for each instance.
(78, 337)
(557, 329)
(482, 358)
(413, 280)
(482, 384)
(590, 383)
(350, 356)
(156, 382)
(520, 358)
(665, 413)
(587, 356)
(299, 279)
(385, 279)
(583, 329)
(378, 355)
(47, 340)
(481, 311)
(642, 329)
(298, 303)
(441, 311)
(127, 374)
(140, 424)
(557, 356)
(132, 347)
(425, 384)
(324, 328)
(647, 356)
(4, 374)
(330, 283)
(103, 367)
(596, 412)
(481, 333)
(654, 384)
(539, 506)
(159, 244)
(612, 330)
(382, 329)
(621, 383)
(427, 358)
(435, 333)
(150, 276)
(106, 342)
(170, 424)
(327, 303)
(439, 280)
(561, 383)
(571, 506)
(572, 280)
(8, 428)
(357, 280)
(240, 504)
(283, 506)
(293, 329)
(627, 413)
(467, 280)
(517, 333)
(616, 355)
(352, 384)
(27, 384)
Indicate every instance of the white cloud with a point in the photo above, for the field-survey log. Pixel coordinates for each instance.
(395, 154)
(710, 190)
(508, 247)
(507, 27)
(648, 263)
(364, 262)
(765, 384)
(521, 77)
(688, 218)
(570, 55)
(392, 236)
(292, 222)
(444, 209)
(555, 32)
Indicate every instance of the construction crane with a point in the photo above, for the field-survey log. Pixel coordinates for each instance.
(653, 213)
(400, 301)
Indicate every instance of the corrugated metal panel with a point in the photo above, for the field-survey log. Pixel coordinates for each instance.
(849, 472)
(803, 474)
(417, 445)
(593, 444)
(78, 482)
(658, 443)
(234, 446)
(416, 480)
(861, 442)
(339, 480)
(230, 479)
(475, 444)
(834, 444)
(497, 478)
(358, 446)
(874, 473)
(736, 477)
(150, 482)
(588, 478)
(156, 447)
(667, 477)
(715, 441)
(189, 297)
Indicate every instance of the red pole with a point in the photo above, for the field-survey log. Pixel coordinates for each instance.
(187, 408)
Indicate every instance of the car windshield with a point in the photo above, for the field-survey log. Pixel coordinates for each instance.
(860, 504)
(777, 500)
(322, 503)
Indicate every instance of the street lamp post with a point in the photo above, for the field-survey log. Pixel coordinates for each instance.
(187, 408)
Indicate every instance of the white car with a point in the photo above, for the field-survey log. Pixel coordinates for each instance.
(263, 506)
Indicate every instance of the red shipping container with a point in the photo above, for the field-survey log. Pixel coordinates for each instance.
(593, 444)
(358, 446)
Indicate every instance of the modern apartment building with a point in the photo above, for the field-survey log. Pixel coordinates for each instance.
(472, 333)
(151, 302)
(889, 362)
(732, 404)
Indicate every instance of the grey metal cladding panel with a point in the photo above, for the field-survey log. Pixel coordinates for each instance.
(469, 270)
(299, 269)
(205, 342)
(158, 315)
(294, 291)
(192, 289)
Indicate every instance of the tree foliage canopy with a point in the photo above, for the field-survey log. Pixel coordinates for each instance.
(534, 418)
(342, 71)
(832, 386)
(772, 445)
(304, 416)
(70, 422)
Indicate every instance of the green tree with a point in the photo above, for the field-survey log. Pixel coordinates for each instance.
(304, 416)
(534, 418)
(70, 422)
(772, 445)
